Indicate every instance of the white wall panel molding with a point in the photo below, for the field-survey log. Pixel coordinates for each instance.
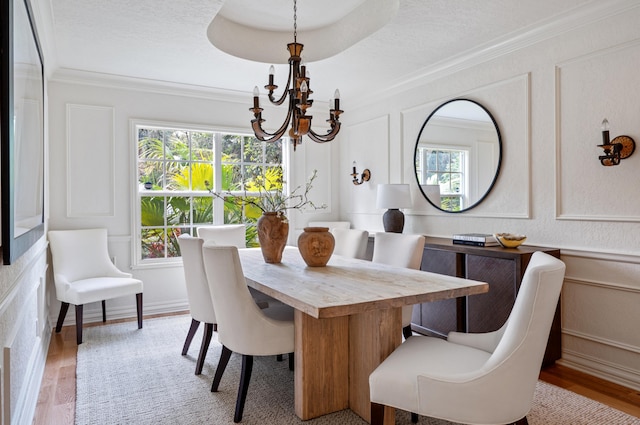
(90, 185)
(18, 286)
(22, 356)
(586, 303)
(605, 285)
(602, 341)
(588, 89)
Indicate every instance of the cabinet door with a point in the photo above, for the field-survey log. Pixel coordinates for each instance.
(438, 317)
(488, 312)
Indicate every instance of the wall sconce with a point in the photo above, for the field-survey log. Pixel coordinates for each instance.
(364, 177)
(619, 148)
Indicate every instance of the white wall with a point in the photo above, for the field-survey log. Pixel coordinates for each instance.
(549, 94)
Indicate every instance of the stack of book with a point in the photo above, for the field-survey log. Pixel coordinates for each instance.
(475, 239)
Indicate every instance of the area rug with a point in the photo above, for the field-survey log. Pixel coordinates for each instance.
(131, 376)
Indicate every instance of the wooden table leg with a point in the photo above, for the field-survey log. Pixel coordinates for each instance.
(373, 335)
(321, 365)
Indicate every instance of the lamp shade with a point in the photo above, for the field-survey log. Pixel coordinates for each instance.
(393, 196)
(432, 191)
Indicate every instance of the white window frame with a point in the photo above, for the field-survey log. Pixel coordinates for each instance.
(464, 193)
(218, 203)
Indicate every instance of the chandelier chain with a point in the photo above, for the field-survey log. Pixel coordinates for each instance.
(295, 21)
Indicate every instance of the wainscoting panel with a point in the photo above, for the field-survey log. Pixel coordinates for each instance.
(23, 339)
(90, 164)
(600, 316)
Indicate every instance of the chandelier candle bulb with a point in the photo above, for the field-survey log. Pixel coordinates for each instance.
(605, 132)
(256, 100)
(354, 167)
(272, 71)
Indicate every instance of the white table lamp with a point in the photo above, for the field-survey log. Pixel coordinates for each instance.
(432, 192)
(393, 197)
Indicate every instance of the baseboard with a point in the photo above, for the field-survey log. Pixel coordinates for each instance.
(595, 367)
(94, 313)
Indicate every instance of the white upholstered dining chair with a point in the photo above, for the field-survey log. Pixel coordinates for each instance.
(485, 378)
(224, 234)
(400, 250)
(235, 235)
(350, 242)
(243, 327)
(200, 304)
(83, 273)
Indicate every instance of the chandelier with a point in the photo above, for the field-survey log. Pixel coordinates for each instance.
(298, 92)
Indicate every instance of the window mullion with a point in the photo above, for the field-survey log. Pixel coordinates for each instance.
(218, 204)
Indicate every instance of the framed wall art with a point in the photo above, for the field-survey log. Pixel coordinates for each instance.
(22, 131)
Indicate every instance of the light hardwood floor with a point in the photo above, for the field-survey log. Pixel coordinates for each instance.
(57, 400)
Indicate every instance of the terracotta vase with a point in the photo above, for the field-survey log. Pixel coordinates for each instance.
(316, 246)
(273, 230)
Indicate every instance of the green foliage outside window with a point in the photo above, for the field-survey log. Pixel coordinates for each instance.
(176, 170)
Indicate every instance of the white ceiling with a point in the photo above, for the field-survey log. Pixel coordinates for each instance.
(166, 40)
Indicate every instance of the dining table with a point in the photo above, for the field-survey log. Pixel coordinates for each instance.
(347, 320)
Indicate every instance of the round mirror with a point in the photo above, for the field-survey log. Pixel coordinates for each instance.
(458, 155)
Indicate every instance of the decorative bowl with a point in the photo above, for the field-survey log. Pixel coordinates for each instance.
(509, 240)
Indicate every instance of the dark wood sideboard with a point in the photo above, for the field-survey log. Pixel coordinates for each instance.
(501, 268)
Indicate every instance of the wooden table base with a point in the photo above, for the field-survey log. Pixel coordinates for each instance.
(335, 356)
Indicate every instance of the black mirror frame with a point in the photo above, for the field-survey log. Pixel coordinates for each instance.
(13, 247)
(495, 177)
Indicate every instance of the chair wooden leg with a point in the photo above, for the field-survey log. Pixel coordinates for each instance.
(414, 418)
(64, 307)
(79, 324)
(104, 311)
(245, 377)
(406, 332)
(139, 308)
(222, 365)
(206, 339)
(192, 331)
(279, 358)
(291, 361)
(377, 414)
(522, 421)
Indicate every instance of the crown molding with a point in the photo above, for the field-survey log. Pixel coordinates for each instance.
(98, 79)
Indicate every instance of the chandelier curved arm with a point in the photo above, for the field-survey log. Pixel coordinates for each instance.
(265, 136)
(331, 134)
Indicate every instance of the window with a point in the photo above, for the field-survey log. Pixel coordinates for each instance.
(448, 169)
(179, 167)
